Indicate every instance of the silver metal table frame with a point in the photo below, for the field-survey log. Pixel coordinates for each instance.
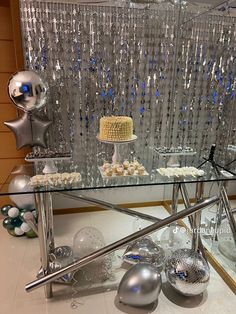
(46, 234)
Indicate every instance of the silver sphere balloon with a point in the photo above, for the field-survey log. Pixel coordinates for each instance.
(187, 272)
(140, 285)
(20, 183)
(27, 90)
(145, 250)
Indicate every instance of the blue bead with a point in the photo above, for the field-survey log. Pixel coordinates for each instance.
(141, 110)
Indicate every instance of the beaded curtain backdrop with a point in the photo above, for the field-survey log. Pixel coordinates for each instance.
(176, 79)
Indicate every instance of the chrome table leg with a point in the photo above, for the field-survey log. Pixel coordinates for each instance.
(187, 204)
(43, 238)
(197, 216)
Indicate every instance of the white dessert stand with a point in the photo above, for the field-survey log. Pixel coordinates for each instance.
(50, 166)
(117, 144)
(173, 160)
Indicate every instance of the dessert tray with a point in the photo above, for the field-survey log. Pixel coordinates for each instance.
(180, 172)
(175, 151)
(125, 174)
(126, 169)
(49, 157)
(59, 180)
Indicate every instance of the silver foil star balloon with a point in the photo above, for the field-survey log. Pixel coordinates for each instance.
(29, 130)
(140, 285)
(145, 250)
(27, 90)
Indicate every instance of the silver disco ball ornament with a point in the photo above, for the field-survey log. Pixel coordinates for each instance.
(140, 285)
(145, 250)
(187, 272)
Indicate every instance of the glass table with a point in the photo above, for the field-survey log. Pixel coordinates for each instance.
(43, 203)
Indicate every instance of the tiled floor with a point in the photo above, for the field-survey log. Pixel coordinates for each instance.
(19, 263)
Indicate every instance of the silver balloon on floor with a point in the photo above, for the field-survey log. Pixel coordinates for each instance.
(145, 250)
(140, 286)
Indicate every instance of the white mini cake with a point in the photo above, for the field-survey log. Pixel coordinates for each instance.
(116, 128)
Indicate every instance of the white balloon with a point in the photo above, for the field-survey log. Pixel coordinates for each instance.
(18, 231)
(86, 241)
(20, 183)
(13, 212)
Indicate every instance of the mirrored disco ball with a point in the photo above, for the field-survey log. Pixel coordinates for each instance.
(173, 238)
(187, 272)
(226, 244)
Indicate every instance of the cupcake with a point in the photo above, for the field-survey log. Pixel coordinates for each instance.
(141, 170)
(115, 166)
(130, 171)
(126, 164)
(135, 164)
(108, 172)
(105, 166)
(119, 171)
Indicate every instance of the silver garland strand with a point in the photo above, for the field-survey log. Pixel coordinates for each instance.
(122, 60)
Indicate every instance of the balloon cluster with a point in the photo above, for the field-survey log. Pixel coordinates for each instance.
(141, 284)
(14, 222)
(185, 269)
(29, 93)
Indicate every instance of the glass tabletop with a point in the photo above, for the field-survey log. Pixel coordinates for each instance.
(18, 181)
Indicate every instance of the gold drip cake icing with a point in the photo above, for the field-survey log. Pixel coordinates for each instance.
(116, 128)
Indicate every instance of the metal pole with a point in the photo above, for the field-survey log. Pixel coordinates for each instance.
(106, 205)
(175, 198)
(49, 215)
(43, 243)
(197, 216)
(118, 244)
(174, 208)
(187, 204)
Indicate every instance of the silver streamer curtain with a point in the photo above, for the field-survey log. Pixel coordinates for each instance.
(176, 82)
